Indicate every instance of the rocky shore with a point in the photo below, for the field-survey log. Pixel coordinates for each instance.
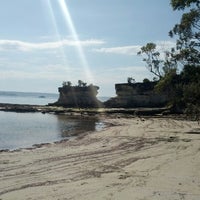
(89, 111)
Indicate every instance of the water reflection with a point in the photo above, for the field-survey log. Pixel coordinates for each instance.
(72, 126)
(22, 130)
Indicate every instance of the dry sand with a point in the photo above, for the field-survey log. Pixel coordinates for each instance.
(136, 159)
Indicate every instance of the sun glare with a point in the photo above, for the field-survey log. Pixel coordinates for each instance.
(70, 25)
(58, 37)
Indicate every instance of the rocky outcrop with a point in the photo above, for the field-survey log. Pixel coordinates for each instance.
(78, 96)
(132, 95)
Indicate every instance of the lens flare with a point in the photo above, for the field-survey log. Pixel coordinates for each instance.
(58, 37)
(70, 25)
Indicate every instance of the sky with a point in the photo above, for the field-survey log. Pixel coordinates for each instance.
(46, 42)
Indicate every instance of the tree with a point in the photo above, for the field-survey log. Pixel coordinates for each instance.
(169, 85)
(130, 80)
(66, 83)
(183, 88)
(146, 80)
(182, 4)
(188, 32)
(69, 83)
(188, 52)
(84, 84)
(81, 83)
(155, 64)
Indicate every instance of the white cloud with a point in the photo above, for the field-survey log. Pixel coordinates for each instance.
(126, 50)
(129, 69)
(134, 49)
(119, 74)
(27, 75)
(27, 46)
(50, 72)
(165, 45)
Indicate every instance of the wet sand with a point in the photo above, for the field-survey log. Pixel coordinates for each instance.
(135, 158)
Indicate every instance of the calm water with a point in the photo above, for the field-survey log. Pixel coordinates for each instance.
(27, 98)
(32, 98)
(21, 130)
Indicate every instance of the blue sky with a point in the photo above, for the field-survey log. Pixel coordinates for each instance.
(46, 42)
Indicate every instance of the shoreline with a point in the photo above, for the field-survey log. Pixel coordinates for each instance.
(136, 158)
(101, 113)
(8, 107)
(57, 142)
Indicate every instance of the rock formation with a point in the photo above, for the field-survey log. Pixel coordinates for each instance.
(78, 96)
(132, 95)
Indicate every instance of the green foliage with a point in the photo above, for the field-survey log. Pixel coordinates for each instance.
(152, 58)
(81, 83)
(130, 80)
(190, 74)
(146, 80)
(188, 32)
(191, 93)
(191, 98)
(182, 89)
(167, 83)
(191, 85)
(182, 4)
(66, 84)
(69, 83)
(188, 53)
(155, 64)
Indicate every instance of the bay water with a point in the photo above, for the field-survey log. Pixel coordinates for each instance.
(30, 98)
(22, 130)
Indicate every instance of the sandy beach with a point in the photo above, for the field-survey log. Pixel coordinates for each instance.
(135, 158)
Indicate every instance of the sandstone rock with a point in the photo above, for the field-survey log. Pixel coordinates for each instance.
(133, 95)
(78, 96)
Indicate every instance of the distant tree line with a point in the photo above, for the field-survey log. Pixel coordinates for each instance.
(69, 84)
